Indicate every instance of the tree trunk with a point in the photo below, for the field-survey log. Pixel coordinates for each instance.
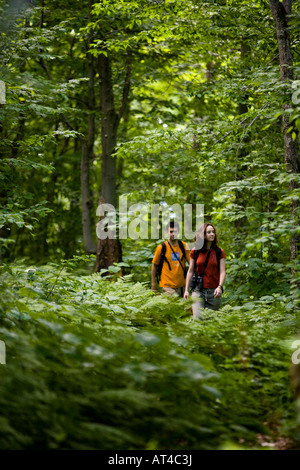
(86, 157)
(109, 126)
(109, 251)
(280, 12)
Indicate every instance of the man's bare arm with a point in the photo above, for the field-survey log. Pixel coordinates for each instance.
(153, 276)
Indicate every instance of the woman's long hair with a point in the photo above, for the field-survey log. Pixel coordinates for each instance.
(200, 240)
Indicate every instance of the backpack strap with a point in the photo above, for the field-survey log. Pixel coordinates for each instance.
(183, 255)
(161, 261)
(218, 254)
(163, 255)
(181, 246)
(206, 261)
(196, 254)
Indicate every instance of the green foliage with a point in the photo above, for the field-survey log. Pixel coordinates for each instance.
(102, 365)
(203, 123)
(108, 365)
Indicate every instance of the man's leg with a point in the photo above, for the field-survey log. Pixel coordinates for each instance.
(180, 291)
(177, 291)
(169, 291)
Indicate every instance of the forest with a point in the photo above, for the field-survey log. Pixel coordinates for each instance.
(161, 102)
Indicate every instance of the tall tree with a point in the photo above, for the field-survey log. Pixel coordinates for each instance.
(87, 155)
(109, 250)
(281, 12)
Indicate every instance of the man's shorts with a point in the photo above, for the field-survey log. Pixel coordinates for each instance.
(177, 291)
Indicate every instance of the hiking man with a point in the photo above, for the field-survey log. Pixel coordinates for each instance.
(169, 262)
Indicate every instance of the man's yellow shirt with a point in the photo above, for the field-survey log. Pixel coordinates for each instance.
(175, 277)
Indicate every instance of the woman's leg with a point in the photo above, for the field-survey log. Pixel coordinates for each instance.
(198, 303)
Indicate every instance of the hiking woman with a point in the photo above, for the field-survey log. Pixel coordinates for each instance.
(207, 270)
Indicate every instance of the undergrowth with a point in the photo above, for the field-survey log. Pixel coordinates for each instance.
(94, 364)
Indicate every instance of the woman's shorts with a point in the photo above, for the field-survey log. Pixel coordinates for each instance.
(205, 299)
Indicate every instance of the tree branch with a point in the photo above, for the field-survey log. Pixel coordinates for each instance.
(44, 66)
